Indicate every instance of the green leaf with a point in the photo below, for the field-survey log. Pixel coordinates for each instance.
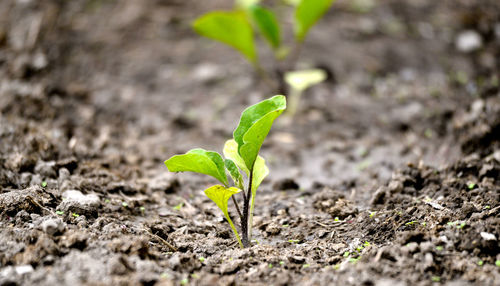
(199, 161)
(292, 2)
(301, 80)
(308, 12)
(230, 28)
(267, 24)
(255, 124)
(231, 152)
(220, 195)
(260, 171)
(246, 3)
(233, 171)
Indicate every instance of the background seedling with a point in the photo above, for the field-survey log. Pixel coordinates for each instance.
(236, 28)
(241, 154)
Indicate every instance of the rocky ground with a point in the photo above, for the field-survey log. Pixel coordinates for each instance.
(387, 175)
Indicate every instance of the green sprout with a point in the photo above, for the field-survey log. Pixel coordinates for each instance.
(179, 206)
(435, 279)
(270, 265)
(202, 259)
(411, 222)
(299, 81)
(59, 212)
(346, 254)
(184, 281)
(283, 262)
(236, 28)
(306, 266)
(480, 262)
(125, 204)
(44, 184)
(497, 263)
(75, 215)
(372, 214)
(242, 153)
(471, 186)
(293, 240)
(439, 248)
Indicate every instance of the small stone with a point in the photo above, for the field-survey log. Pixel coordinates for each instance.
(24, 269)
(468, 41)
(488, 236)
(76, 202)
(53, 226)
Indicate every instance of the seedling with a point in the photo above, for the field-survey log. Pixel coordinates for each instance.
(236, 28)
(242, 154)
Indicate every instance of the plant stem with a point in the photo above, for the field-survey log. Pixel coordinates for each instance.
(234, 230)
(237, 207)
(293, 102)
(244, 221)
(265, 76)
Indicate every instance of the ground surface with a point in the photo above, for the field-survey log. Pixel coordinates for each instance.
(388, 174)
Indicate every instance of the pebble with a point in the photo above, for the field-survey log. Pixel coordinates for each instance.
(468, 41)
(76, 202)
(488, 236)
(53, 226)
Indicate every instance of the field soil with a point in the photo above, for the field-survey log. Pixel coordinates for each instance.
(388, 174)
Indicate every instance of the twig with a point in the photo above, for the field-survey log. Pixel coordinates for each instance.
(173, 248)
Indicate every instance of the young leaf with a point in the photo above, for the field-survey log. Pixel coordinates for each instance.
(246, 3)
(231, 151)
(267, 24)
(292, 2)
(233, 171)
(199, 161)
(308, 12)
(255, 124)
(230, 28)
(220, 195)
(301, 80)
(260, 171)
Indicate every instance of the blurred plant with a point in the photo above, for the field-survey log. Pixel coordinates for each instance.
(236, 28)
(242, 153)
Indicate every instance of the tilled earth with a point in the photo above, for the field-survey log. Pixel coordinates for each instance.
(387, 175)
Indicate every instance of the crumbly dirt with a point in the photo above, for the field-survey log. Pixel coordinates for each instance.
(389, 173)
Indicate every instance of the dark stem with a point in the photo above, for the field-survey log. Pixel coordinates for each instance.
(244, 220)
(237, 207)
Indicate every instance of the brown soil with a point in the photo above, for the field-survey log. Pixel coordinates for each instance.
(389, 174)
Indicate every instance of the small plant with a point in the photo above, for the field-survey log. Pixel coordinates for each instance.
(242, 154)
(236, 28)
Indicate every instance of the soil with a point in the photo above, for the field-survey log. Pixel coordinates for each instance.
(389, 173)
